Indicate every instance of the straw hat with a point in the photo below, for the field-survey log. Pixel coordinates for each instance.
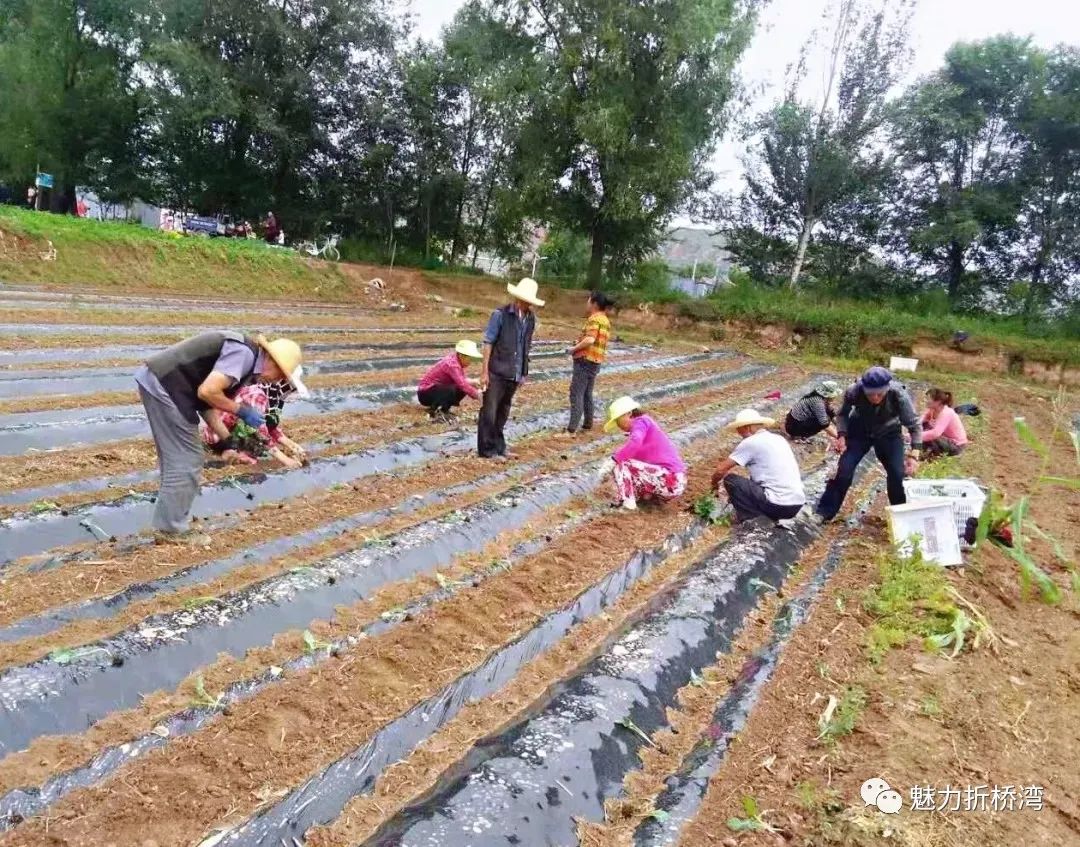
(750, 417)
(468, 348)
(286, 355)
(525, 290)
(620, 407)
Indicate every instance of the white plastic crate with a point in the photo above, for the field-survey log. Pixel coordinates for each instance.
(932, 523)
(967, 497)
(902, 363)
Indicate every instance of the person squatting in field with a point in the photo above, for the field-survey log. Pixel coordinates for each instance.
(588, 355)
(507, 344)
(943, 431)
(814, 412)
(773, 487)
(647, 466)
(201, 377)
(245, 444)
(444, 385)
(875, 411)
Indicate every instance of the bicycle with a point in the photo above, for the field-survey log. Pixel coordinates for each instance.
(327, 250)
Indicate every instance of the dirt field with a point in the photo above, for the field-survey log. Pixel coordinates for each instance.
(405, 644)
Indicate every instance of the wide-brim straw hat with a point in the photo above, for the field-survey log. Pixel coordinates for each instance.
(525, 290)
(750, 417)
(618, 408)
(286, 355)
(468, 348)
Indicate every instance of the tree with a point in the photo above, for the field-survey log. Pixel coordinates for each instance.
(70, 103)
(960, 146)
(632, 97)
(813, 164)
(1043, 245)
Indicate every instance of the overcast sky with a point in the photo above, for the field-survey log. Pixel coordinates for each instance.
(786, 24)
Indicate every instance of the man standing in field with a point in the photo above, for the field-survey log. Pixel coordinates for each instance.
(507, 344)
(875, 412)
(200, 377)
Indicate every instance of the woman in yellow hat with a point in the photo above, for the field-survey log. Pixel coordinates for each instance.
(647, 466)
(444, 385)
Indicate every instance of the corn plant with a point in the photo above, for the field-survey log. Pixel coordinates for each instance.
(205, 700)
(753, 822)
(1005, 525)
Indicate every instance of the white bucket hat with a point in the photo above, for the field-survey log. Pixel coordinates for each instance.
(468, 348)
(618, 408)
(525, 290)
(750, 417)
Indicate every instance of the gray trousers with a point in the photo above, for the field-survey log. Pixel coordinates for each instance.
(180, 462)
(581, 394)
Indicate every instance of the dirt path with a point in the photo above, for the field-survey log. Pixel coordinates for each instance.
(1000, 715)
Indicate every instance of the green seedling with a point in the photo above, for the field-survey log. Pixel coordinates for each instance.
(396, 615)
(202, 698)
(705, 507)
(67, 656)
(756, 584)
(659, 815)
(443, 581)
(753, 822)
(44, 506)
(956, 636)
(629, 725)
(696, 679)
(302, 569)
(930, 707)
(842, 721)
(312, 643)
(198, 602)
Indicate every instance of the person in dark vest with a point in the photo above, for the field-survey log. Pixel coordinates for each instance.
(875, 410)
(199, 377)
(507, 342)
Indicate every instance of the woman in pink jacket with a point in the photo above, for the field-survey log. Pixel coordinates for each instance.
(943, 431)
(445, 385)
(648, 466)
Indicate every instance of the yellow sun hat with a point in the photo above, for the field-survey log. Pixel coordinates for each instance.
(286, 355)
(750, 417)
(468, 348)
(525, 290)
(618, 408)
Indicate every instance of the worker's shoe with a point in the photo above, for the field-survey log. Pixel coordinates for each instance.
(629, 505)
(188, 538)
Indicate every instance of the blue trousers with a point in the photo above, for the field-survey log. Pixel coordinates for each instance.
(888, 448)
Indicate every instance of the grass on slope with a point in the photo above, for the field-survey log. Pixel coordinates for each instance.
(106, 253)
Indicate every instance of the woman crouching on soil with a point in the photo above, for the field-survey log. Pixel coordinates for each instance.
(814, 412)
(245, 444)
(648, 466)
(943, 431)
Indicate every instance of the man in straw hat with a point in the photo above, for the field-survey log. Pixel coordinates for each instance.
(875, 411)
(200, 377)
(445, 385)
(774, 487)
(507, 342)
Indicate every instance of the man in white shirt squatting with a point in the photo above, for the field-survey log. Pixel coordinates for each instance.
(774, 487)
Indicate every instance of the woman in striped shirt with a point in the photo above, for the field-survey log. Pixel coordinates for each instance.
(814, 412)
(588, 355)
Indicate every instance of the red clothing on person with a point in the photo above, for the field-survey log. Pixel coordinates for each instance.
(252, 395)
(649, 444)
(448, 371)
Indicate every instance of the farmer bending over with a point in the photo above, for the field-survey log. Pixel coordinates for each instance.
(814, 412)
(445, 385)
(245, 444)
(507, 343)
(202, 376)
(648, 466)
(774, 487)
(943, 431)
(874, 412)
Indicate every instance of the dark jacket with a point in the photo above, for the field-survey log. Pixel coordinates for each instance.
(859, 417)
(503, 361)
(182, 368)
